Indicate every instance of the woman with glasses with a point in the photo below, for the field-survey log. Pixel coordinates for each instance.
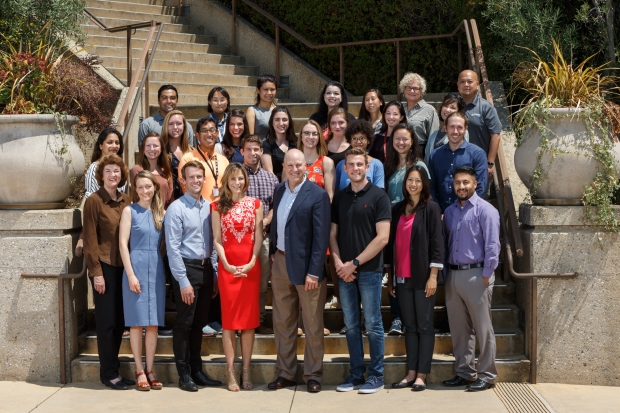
(420, 115)
(332, 96)
(319, 168)
(218, 106)
(452, 102)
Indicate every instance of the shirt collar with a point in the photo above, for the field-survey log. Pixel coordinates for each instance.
(251, 172)
(105, 197)
(473, 201)
(417, 105)
(158, 117)
(363, 190)
(193, 201)
(475, 101)
(217, 120)
(297, 188)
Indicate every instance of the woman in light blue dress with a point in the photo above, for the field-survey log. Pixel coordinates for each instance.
(144, 283)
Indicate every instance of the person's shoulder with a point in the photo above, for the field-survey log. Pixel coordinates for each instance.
(433, 207)
(175, 207)
(379, 193)
(278, 188)
(486, 209)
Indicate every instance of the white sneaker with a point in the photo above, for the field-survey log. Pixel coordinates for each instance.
(330, 301)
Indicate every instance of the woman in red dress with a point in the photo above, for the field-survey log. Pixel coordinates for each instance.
(238, 236)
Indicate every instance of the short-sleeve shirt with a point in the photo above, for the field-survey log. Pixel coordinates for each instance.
(356, 214)
(483, 122)
(154, 124)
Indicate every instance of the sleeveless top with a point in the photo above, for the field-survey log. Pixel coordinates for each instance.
(316, 172)
(261, 124)
(337, 156)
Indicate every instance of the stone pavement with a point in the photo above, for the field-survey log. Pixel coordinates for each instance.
(21, 397)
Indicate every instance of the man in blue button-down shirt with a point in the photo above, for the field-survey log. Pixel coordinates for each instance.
(189, 241)
(457, 152)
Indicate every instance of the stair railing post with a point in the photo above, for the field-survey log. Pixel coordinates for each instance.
(147, 89)
(398, 68)
(340, 48)
(129, 55)
(234, 28)
(460, 53)
(277, 54)
(180, 8)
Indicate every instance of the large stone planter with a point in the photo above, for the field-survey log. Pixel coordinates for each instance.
(566, 176)
(37, 161)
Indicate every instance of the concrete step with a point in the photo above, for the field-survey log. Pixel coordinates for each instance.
(511, 368)
(163, 47)
(92, 30)
(178, 55)
(193, 77)
(113, 21)
(136, 17)
(147, 8)
(212, 61)
(171, 3)
(201, 99)
(508, 342)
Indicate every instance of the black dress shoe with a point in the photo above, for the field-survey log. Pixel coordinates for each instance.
(281, 383)
(186, 383)
(119, 385)
(456, 382)
(128, 382)
(419, 387)
(479, 385)
(164, 331)
(402, 384)
(201, 379)
(313, 386)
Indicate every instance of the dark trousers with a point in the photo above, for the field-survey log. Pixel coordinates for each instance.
(110, 321)
(417, 312)
(187, 331)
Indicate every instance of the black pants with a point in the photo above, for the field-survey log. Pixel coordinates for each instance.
(417, 312)
(187, 332)
(110, 321)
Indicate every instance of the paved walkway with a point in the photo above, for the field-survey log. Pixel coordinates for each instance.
(20, 397)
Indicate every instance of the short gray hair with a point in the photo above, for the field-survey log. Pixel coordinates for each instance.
(412, 77)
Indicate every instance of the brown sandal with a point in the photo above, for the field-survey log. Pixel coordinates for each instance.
(142, 385)
(232, 380)
(155, 384)
(246, 379)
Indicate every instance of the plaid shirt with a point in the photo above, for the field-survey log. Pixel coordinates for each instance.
(262, 185)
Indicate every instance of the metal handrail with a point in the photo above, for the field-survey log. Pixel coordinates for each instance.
(507, 213)
(124, 123)
(61, 311)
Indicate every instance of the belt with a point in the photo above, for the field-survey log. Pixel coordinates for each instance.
(466, 266)
(281, 252)
(195, 262)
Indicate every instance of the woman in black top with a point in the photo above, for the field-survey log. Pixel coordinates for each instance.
(332, 96)
(414, 257)
(393, 114)
(280, 139)
(337, 144)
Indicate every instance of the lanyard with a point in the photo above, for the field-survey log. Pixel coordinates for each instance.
(216, 173)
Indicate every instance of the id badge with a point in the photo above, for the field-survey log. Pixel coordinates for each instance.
(216, 191)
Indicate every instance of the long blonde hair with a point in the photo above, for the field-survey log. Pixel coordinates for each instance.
(321, 146)
(185, 148)
(157, 206)
(162, 160)
(225, 203)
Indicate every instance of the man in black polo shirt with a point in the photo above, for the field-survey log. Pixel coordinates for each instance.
(360, 229)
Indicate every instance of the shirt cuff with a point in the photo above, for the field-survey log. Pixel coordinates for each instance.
(184, 282)
(435, 265)
(313, 276)
(487, 272)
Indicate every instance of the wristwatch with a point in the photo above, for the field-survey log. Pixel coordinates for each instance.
(490, 163)
(356, 262)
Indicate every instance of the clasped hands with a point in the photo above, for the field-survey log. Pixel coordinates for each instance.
(240, 270)
(346, 270)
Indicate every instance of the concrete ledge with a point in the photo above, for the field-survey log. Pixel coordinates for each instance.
(35, 220)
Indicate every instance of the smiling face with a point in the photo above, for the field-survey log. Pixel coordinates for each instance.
(111, 144)
(168, 100)
(218, 103)
(207, 136)
(468, 84)
(194, 179)
(111, 176)
(332, 97)
(295, 167)
(356, 167)
(359, 140)
(145, 189)
(402, 141)
(455, 128)
(413, 92)
(337, 125)
(251, 152)
(464, 186)
(281, 122)
(448, 109)
(414, 184)
(236, 183)
(236, 127)
(309, 136)
(176, 126)
(372, 102)
(392, 116)
(152, 148)
(267, 92)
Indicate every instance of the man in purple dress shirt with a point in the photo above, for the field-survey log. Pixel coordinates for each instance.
(472, 234)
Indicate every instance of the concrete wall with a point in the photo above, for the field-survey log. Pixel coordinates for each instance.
(35, 242)
(578, 334)
(258, 49)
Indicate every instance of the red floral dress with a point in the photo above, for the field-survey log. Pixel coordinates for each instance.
(316, 172)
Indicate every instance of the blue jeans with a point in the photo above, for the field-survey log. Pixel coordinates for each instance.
(368, 284)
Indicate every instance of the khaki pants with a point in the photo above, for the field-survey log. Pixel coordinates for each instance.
(265, 276)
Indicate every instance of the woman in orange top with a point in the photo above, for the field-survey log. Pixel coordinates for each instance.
(319, 168)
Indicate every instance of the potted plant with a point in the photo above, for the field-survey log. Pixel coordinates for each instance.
(567, 153)
(44, 91)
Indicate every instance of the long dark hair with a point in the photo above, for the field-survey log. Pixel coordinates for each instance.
(225, 202)
(401, 109)
(425, 195)
(227, 142)
(452, 98)
(290, 132)
(261, 81)
(324, 109)
(364, 114)
(101, 138)
(391, 164)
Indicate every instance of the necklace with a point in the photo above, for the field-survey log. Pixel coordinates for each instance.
(312, 160)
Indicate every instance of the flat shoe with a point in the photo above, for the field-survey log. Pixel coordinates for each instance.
(313, 386)
(402, 384)
(419, 387)
(281, 383)
(119, 385)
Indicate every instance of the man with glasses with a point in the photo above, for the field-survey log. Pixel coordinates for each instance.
(168, 99)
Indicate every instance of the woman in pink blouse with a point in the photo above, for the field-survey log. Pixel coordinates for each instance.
(414, 255)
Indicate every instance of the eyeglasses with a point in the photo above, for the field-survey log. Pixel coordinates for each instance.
(412, 89)
(209, 131)
(359, 139)
(307, 133)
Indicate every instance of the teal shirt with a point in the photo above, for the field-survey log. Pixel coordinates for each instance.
(395, 184)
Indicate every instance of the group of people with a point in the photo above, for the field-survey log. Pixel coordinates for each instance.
(244, 200)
